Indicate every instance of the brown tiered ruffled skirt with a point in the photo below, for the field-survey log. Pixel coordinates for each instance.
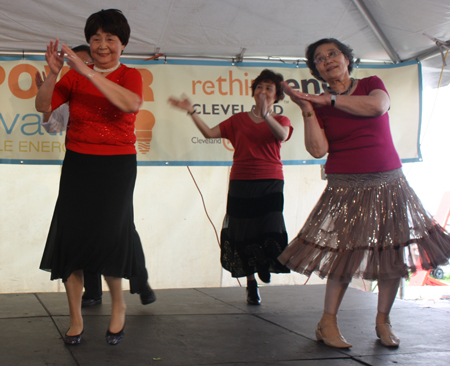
(371, 226)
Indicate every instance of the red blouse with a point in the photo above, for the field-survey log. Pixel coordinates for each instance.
(96, 126)
(358, 144)
(257, 150)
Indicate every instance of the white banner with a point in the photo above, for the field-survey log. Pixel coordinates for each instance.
(167, 136)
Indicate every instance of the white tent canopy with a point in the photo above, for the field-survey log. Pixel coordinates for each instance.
(381, 30)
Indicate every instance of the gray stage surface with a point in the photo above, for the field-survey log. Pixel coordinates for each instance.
(214, 326)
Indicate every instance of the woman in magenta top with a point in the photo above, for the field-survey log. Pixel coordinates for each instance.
(253, 232)
(92, 229)
(368, 222)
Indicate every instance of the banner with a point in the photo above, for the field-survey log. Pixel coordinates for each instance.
(167, 136)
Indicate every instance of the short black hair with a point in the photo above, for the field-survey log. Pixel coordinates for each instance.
(269, 75)
(109, 21)
(82, 48)
(311, 49)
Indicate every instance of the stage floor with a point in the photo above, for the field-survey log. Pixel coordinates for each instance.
(215, 326)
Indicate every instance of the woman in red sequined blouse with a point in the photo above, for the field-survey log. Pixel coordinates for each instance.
(92, 229)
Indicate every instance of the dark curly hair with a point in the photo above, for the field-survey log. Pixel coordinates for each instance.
(269, 75)
(109, 21)
(311, 49)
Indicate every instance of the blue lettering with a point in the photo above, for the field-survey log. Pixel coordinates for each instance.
(8, 131)
(36, 125)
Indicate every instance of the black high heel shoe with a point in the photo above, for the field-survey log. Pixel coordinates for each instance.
(253, 297)
(115, 338)
(72, 340)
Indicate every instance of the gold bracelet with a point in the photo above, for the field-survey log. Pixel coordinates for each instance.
(308, 114)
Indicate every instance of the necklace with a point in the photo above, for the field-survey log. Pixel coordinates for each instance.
(107, 70)
(269, 112)
(344, 93)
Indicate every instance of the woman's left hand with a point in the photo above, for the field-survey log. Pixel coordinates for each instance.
(75, 62)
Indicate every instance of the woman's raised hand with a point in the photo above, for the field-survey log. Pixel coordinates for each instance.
(74, 61)
(262, 103)
(54, 60)
(183, 103)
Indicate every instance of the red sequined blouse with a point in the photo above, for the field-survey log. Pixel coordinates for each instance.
(96, 126)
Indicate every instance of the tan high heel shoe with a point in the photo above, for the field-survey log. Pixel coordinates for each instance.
(336, 342)
(386, 335)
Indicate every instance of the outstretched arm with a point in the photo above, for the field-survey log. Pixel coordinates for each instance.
(185, 104)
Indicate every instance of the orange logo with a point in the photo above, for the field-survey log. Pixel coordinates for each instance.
(228, 145)
(145, 121)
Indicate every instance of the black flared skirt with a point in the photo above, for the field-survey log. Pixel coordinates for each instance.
(371, 226)
(93, 225)
(254, 233)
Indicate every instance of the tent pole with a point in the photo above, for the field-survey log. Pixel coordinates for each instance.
(377, 30)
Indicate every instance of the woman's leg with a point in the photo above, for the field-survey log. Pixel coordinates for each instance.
(327, 329)
(74, 290)
(253, 297)
(119, 307)
(387, 291)
(334, 294)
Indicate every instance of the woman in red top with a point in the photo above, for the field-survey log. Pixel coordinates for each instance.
(253, 233)
(368, 223)
(92, 229)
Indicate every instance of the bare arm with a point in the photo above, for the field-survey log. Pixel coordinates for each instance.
(39, 81)
(122, 98)
(55, 62)
(316, 142)
(185, 104)
(280, 132)
(375, 104)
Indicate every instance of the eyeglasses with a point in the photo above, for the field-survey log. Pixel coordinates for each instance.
(331, 54)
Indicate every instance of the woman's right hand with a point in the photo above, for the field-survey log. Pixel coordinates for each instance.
(315, 140)
(183, 103)
(54, 60)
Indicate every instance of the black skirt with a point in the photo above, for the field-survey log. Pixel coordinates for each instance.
(93, 225)
(253, 233)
